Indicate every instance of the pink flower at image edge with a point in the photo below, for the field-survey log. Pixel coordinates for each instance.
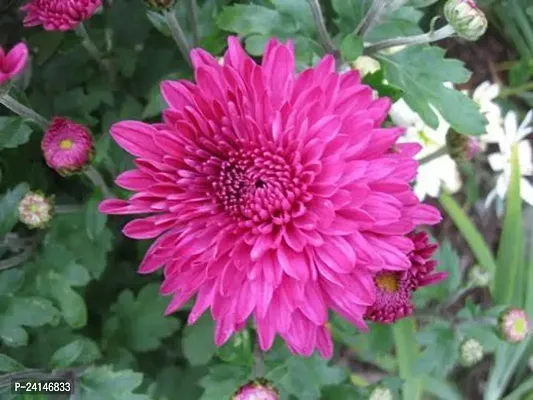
(274, 196)
(59, 15)
(14, 62)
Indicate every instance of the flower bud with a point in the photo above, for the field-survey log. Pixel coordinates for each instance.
(471, 352)
(366, 65)
(255, 390)
(466, 18)
(67, 146)
(479, 277)
(160, 4)
(513, 325)
(35, 210)
(381, 393)
(461, 148)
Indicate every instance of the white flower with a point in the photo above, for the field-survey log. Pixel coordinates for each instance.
(501, 162)
(484, 95)
(381, 393)
(366, 65)
(471, 352)
(35, 210)
(437, 173)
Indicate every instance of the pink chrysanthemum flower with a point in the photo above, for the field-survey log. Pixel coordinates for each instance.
(274, 195)
(67, 146)
(514, 325)
(395, 288)
(13, 63)
(59, 15)
(257, 390)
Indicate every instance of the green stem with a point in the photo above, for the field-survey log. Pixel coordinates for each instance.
(375, 14)
(91, 48)
(23, 111)
(521, 20)
(259, 367)
(433, 156)
(407, 351)
(424, 38)
(96, 178)
(177, 34)
(514, 91)
(68, 208)
(193, 10)
(318, 17)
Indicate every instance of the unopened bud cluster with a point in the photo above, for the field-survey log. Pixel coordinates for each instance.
(461, 148)
(466, 18)
(471, 352)
(35, 210)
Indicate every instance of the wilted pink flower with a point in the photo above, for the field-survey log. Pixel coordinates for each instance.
(274, 195)
(67, 146)
(59, 15)
(257, 390)
(395, 288)
(13, 63)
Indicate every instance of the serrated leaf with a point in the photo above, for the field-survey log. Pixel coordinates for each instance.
(8, 207)
(8, 364)
(142, 324)
(351, 47)
(223, 380)
(13, 132)
(72, 305)
(441, 351)
(99, 383)
(237, 350)
(421, 71)
(66, 355)
(249, 19)
(198, 341)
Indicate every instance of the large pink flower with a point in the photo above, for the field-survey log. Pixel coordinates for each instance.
(274, 195)
(59, 15)
(13, 63)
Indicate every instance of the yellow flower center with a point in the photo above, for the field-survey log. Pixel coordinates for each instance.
(520, 326)
(388, 282)
(34, 208)
(65, 144)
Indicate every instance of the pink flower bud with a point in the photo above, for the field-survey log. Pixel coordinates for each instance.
(67, 146)
(513, 325)
(257, 390)
(59, 15)
(35, 210)
(13, 63)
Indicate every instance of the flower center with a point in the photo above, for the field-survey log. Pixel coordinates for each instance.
(520, 326)
(258, 185)
(66, 144)
(388, 282)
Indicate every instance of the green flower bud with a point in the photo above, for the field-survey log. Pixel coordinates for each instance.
(471, 352)
(461, 147)
(36, 210)
(160, 4)
(466, 18)
(479, 277)
(381, 393)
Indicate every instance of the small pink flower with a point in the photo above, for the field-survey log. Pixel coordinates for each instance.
(273, 195)
(59, 15)
(13, 63)
(395, 288)
(257, 390)
(514, 325)
(67, 146)
(35, 210)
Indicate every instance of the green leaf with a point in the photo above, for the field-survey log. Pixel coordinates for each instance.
(441, 351)
(249, 19)
(67, 355)
(304, 377)
(420, 72)
(94, 220)
(140, 323)
(237, 350)
(198, 344)
(7, 364)
(9, 207)
(11, 280)
(472, 236)
(350, 12)
(155, 105)
(402, 22)
(442, 389)
(223, 380)
(351, 47)
(407, 352)
(13, 132)
(507, 287)
(98, 383)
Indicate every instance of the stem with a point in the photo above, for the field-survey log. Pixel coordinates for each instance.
(259, 368)
(68, 208)
(96, 178)
(178, 34)
(23, 256)
(193, 10)
(424, 38)
(375, 14)
(325, 39)
(91, 48)
(433, 156)
(516, 90)
(23, 111)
